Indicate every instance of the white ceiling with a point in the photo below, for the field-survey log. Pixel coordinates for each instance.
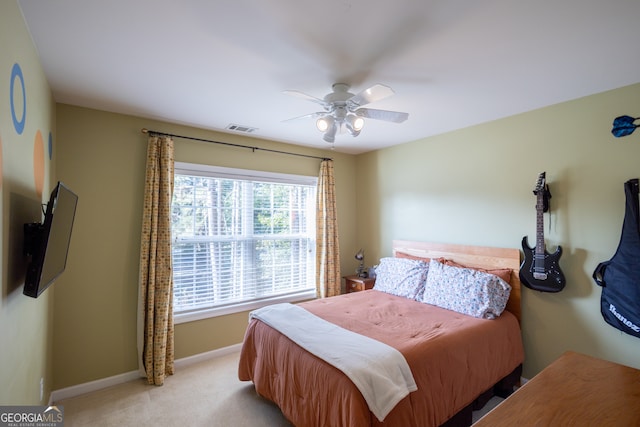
(452, 63)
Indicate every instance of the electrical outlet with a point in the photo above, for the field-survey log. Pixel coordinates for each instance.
(41, 388)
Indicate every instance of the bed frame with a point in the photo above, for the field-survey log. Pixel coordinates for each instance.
(472, 256)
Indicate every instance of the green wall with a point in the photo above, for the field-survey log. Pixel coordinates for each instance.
(27, 174)
(474, 186)
(102, 158)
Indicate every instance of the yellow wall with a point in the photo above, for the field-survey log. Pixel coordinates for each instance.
(474, 186)
(26, 178)
(102, 158)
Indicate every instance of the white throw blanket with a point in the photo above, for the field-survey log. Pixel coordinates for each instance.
(380, 372)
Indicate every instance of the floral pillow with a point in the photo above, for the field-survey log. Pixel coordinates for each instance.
(466, 290)
(402, 277)
(503, 273)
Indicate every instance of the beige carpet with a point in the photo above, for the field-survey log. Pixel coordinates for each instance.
(203, 394)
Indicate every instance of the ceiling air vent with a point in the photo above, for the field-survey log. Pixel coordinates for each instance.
(241, 128)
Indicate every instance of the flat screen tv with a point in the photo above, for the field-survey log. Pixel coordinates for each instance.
(47, 243)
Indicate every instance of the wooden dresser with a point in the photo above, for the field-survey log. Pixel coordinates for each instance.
(575, 390)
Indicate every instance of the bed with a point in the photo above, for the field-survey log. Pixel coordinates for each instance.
(458, 361)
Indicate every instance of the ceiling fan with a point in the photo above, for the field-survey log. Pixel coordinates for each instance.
(343, 108)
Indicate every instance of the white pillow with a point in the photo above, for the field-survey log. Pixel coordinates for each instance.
(466, 291)
(402, 277)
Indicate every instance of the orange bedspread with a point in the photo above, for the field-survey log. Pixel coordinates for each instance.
(453, 358)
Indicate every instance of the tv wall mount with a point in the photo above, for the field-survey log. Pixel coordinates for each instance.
(33, 232)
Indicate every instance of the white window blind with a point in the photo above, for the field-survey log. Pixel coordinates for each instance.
(240, 237)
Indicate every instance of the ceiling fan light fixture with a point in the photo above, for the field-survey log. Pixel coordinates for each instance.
(330, 134)
(354, 124)
(358, 123)
(324, 123)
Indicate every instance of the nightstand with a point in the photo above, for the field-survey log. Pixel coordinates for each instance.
(355, 283)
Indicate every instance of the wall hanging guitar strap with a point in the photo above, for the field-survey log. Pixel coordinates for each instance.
(540, 270)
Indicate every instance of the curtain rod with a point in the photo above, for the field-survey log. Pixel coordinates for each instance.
(153, 132)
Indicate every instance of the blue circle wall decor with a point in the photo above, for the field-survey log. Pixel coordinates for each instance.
(16, 74)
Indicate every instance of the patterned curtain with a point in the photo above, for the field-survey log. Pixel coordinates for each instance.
(328, 281)
(155, 294)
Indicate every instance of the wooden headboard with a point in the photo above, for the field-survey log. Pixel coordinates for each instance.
(471, 256)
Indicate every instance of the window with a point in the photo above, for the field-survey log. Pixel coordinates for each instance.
(241, 239)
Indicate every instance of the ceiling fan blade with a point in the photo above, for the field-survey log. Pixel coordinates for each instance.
(302, 95)
(389, 116)
(372, 94)
(307, 116)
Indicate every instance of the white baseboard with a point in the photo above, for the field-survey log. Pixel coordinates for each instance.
(77, 390)
(219, 352)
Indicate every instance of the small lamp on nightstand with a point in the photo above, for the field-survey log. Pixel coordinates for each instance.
(361, 271)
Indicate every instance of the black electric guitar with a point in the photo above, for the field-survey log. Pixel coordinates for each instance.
(540, 269)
